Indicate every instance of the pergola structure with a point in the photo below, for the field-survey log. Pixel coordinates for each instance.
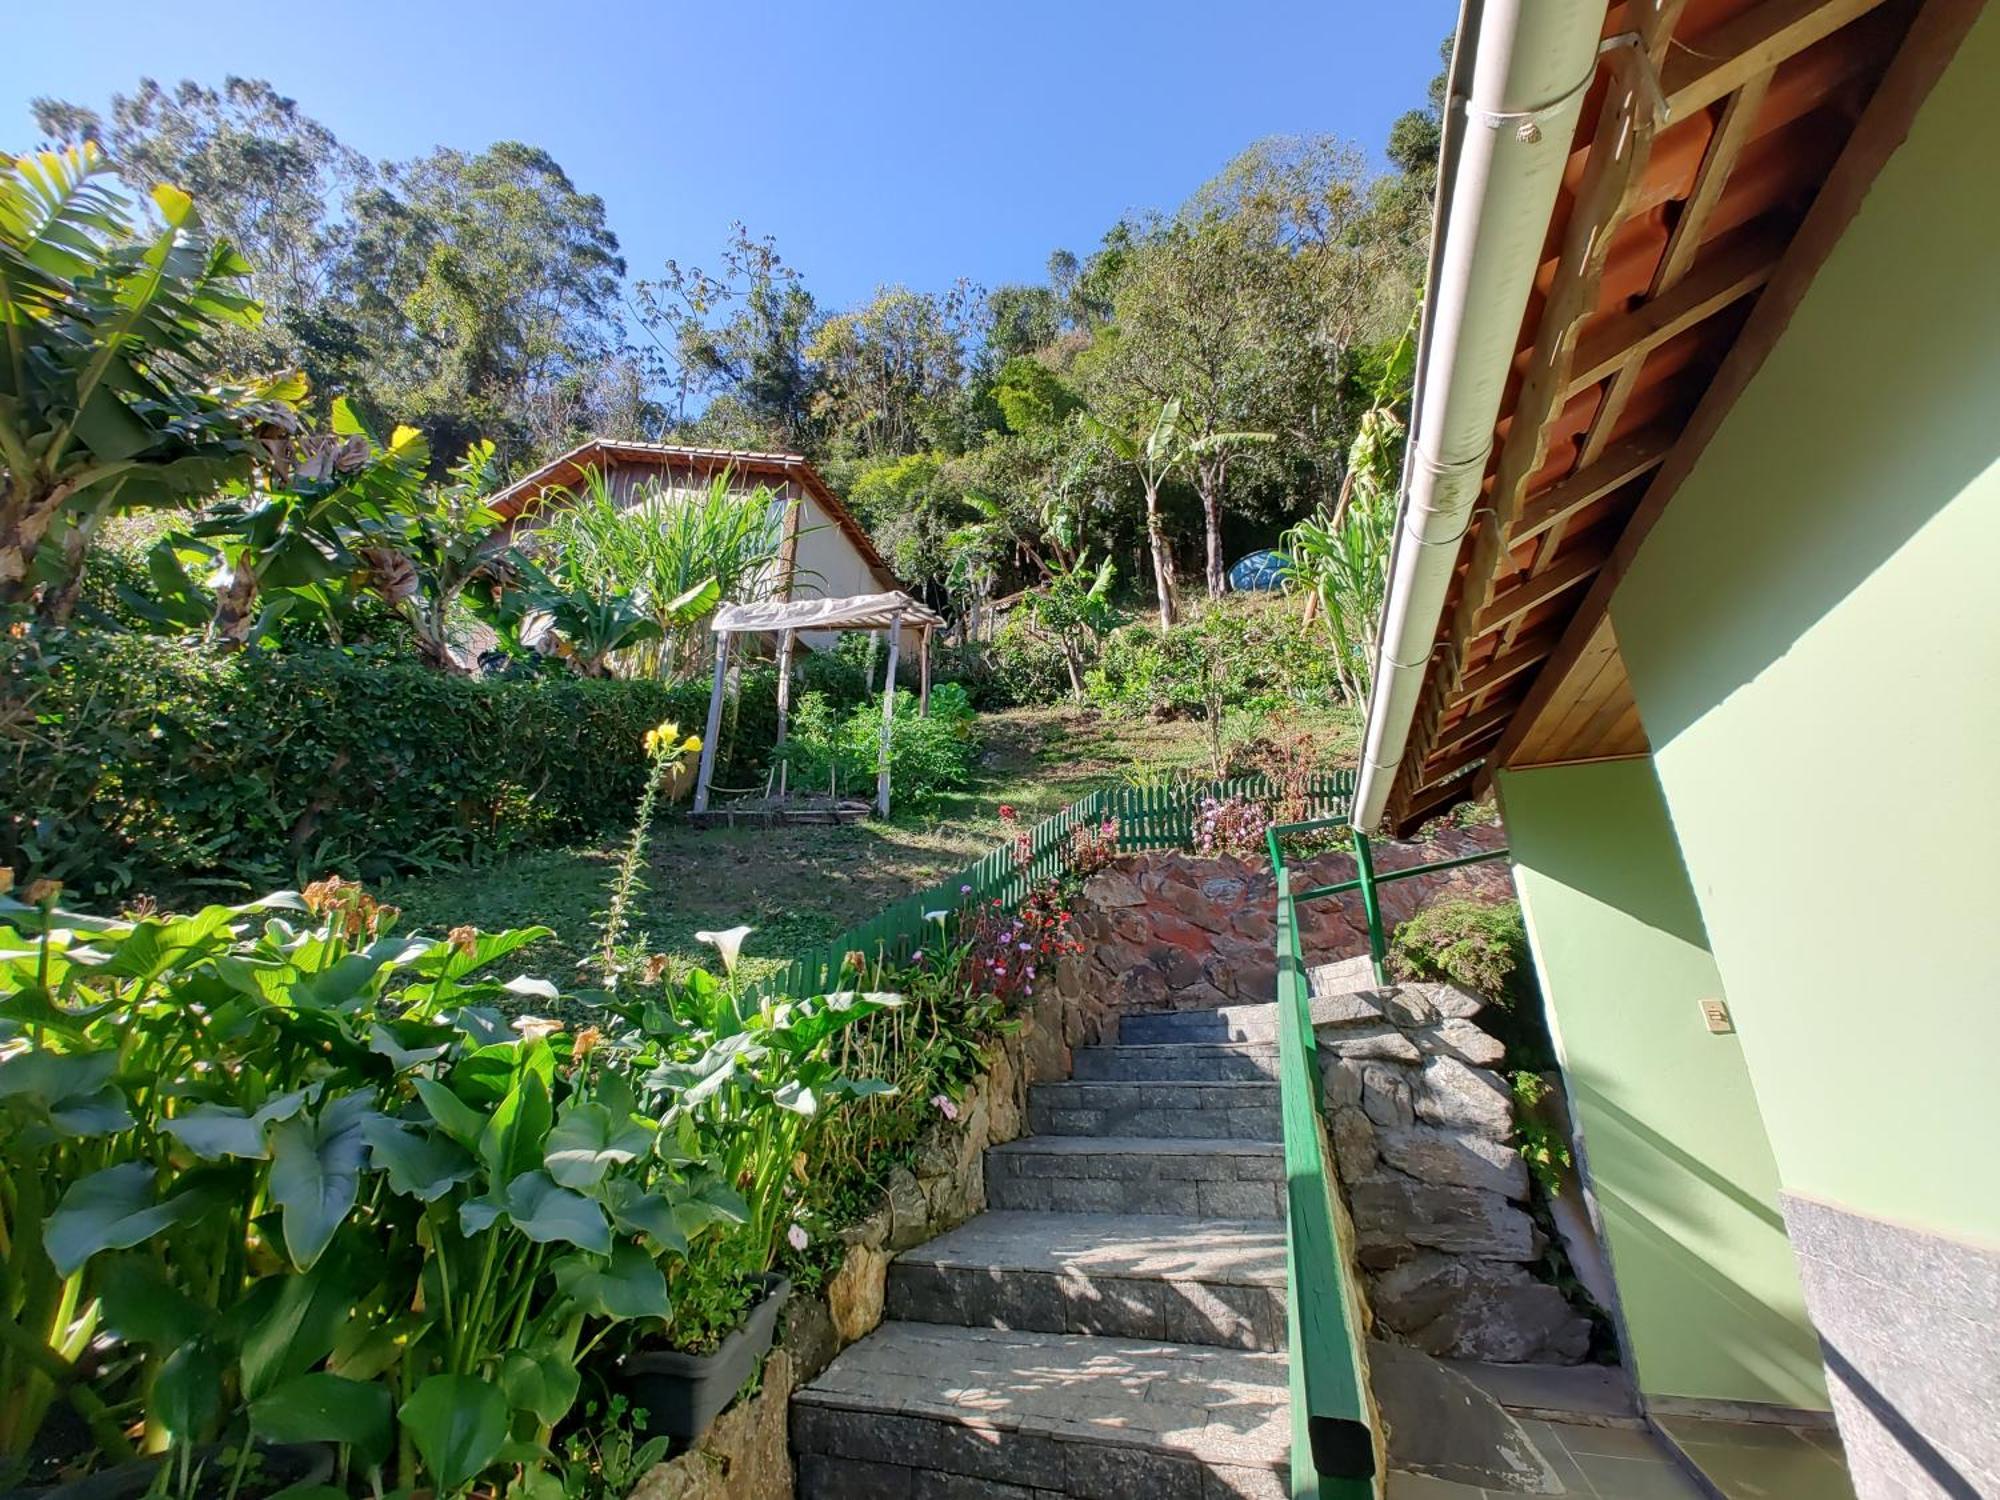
(893, 612)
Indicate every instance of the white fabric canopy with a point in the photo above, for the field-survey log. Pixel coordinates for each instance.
(858, 612)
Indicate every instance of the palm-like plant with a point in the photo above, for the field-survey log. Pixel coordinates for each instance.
(1155, 452)
(107, 334)
(661, 551)
(1341, 557)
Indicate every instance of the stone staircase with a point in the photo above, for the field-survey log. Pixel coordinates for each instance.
(1113, 1325)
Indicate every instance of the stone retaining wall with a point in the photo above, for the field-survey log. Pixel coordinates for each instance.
(1422, 1133)
(745, 1454)
(1170, 931)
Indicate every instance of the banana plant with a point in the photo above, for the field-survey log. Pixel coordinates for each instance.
(1156, 452)
(1075, 607)
(1340, 555)
(105, 332)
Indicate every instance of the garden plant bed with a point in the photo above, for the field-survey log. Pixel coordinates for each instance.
(775, 812)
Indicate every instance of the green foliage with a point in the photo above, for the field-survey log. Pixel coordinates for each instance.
(105, 400)
(1481, 945)
(322, 1192)
(133, 763)
(1538, 1138)
(1341, 557)
(1022, 666)
(672, 558)
(1236, 657)
(927, 756)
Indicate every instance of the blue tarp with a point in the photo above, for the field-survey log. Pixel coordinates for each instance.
(1260, 570)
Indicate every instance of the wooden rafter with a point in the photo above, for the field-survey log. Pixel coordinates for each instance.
(1731, 62)
(1537, 588)
(1524, 654)
(1707, 290)
(1725, 145)
(1724, 58)
(1619, 146)
(1478, 726)
(1621, 463)
(1927, 49)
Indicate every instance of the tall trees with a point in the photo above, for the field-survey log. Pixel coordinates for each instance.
(270, 180)
(471, 294)
(890, 370)
(480, 288)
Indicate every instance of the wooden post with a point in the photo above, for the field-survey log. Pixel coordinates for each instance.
(784, 682)
(714, 730)
(888, 714)
(924, 678)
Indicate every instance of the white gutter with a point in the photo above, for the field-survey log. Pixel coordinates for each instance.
(1519, 72)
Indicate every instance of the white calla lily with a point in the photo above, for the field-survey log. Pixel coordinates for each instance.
(729, 943)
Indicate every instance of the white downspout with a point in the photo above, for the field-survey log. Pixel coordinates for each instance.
(1520, 70)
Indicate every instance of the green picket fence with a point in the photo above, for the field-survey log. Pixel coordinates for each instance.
(1149, 817)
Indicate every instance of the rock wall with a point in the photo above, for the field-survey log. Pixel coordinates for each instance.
(1169, 931)
(745, 1454)
(1422, 1135)
(1420, 1124)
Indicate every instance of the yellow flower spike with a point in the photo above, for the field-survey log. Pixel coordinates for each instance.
(693, 744)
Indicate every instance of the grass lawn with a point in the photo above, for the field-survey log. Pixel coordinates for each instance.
(801, 887)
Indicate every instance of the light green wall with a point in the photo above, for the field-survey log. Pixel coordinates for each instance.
(1677, 1156)
(1813, 635)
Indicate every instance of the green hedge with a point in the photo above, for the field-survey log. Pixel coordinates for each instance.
(136, 763)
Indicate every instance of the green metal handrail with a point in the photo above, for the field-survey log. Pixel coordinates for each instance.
(1335, 1446)
(1333, 1431)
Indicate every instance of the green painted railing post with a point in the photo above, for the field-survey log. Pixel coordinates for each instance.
(1371, 902)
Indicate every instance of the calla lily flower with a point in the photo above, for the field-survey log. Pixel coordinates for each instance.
(729, 943)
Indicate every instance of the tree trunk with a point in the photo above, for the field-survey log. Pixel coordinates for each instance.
(1218, 576)
(1210, 478)
(24, 521)
(59, 603)
(1163, 567)
(1073, 659)
(235, 604)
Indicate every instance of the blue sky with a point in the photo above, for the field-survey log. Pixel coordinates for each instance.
(879, 143)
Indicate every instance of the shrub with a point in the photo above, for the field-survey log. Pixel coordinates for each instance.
(1249, 655)
(1018, 668)
(1230, 825)
(317, 1190)
(1480, 945)
(926, 755)
(137, 763)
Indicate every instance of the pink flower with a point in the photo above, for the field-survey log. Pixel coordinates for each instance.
(796, 1237)
(944, 1106)
(917, 957)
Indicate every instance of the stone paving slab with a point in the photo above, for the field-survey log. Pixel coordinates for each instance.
(1164, 1247)
(1225, 1179)
(1061, 1414)
(1212, 1062)
(1245, 1109)
(1192, 1281)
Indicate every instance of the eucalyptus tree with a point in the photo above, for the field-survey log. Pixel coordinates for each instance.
(109, 332)
(270, 179)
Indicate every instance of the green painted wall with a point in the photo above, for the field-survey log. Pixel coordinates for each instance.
(1677, 1155)
(1813, 635)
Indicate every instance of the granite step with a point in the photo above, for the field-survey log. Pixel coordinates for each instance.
(1228, 1023)
(1143, 1276)
(1209, 1179)
(1169, 1062)
(917, 1411)
(1179, 1110)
